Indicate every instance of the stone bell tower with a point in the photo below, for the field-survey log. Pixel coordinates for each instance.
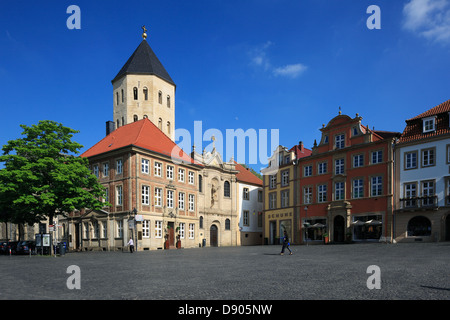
(144, 89)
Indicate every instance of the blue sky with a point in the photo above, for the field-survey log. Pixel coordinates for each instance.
(260, 64)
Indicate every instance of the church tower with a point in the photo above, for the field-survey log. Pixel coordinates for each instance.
(144, 89)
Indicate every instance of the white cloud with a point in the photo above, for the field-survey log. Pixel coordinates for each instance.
(428, 18)
(259, 59)
(290, 70)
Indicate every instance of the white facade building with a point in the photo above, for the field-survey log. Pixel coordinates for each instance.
(422, 176)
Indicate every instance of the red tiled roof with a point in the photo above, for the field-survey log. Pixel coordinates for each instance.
(414, 126)
(143, 134)
(300, 151)
(443, 107)
(246, 175)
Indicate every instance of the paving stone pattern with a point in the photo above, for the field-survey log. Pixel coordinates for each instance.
(408, 271)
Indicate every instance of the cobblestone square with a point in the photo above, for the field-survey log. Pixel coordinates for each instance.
(407, 272)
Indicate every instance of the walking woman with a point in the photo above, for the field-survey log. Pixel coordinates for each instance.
(285, 244)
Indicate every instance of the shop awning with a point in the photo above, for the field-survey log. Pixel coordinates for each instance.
(373, 223)
(357, 223)
(317, 225)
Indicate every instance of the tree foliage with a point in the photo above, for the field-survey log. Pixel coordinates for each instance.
(42, 175)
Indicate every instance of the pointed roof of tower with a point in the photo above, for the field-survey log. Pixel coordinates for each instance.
(144, 61)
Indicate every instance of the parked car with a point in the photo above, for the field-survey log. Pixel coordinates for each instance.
(26, 247)
(3, 246)
(12, 245)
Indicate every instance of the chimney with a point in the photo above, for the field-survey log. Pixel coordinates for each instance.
(300, 146)
(110, 127)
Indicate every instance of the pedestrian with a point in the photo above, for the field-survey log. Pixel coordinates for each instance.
(285, 244)
(131, 244)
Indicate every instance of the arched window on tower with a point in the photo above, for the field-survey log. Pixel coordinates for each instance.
(200, 183)
(145, 93)
(160, 97)
(168, 127)
(135, 93)
(123, 98)
(118, 124)
(168, 101)
(123, 121)
(135, 118)
(160, 124)
(117, 98)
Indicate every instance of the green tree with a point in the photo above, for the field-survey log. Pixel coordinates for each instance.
(42, 176)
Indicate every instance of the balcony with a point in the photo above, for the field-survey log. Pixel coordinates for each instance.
(422, 203)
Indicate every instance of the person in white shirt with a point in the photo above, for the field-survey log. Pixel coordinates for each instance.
(131, 244)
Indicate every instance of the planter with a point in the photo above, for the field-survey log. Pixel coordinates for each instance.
(178, 244)
(166, 244)
(326, 240)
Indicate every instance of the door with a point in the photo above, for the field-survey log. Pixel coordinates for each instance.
(339, 229)
(171, 234)
(213, 234)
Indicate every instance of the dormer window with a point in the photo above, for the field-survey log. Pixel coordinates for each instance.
(429, 124)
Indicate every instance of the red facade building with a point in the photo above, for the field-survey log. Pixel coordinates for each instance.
(345, 187)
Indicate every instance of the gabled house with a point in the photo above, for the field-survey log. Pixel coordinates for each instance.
(422, 175)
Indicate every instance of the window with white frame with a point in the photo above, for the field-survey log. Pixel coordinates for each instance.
(410, 194)
(358, 188)
(428, 158)
(377, 156)
(191, 177)
(157, 169)
(273, 181)
(339, 141)
(272, 200)
(169, 200)
(119, 226)
(181, 200)
(429, 124)
(358, 160)
(191, 202)
(169, 172)
(158, 229)
(285, 178)
(158, 197)
(322, 193)
(339, 166)
(322, 168)
(411, 160)
(145, 195)
(285, 198)
(428, 193)
(96, 170)
(339, 191)
(377, 186)
(119, 195)
(307, 195)
(144, 166)
(245, 218)
(191, 230)
(146, 228)
(119, 166)
(245, 194)
(105, 169)
(104, 229)
(307, 171)
(181, 174)
(181, 230)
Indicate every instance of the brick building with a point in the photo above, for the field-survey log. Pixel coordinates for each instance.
(345, 185)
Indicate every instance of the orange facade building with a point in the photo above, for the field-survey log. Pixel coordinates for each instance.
(345, 188)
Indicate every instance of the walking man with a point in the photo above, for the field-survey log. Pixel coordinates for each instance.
(131, 244)
(285, 244)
